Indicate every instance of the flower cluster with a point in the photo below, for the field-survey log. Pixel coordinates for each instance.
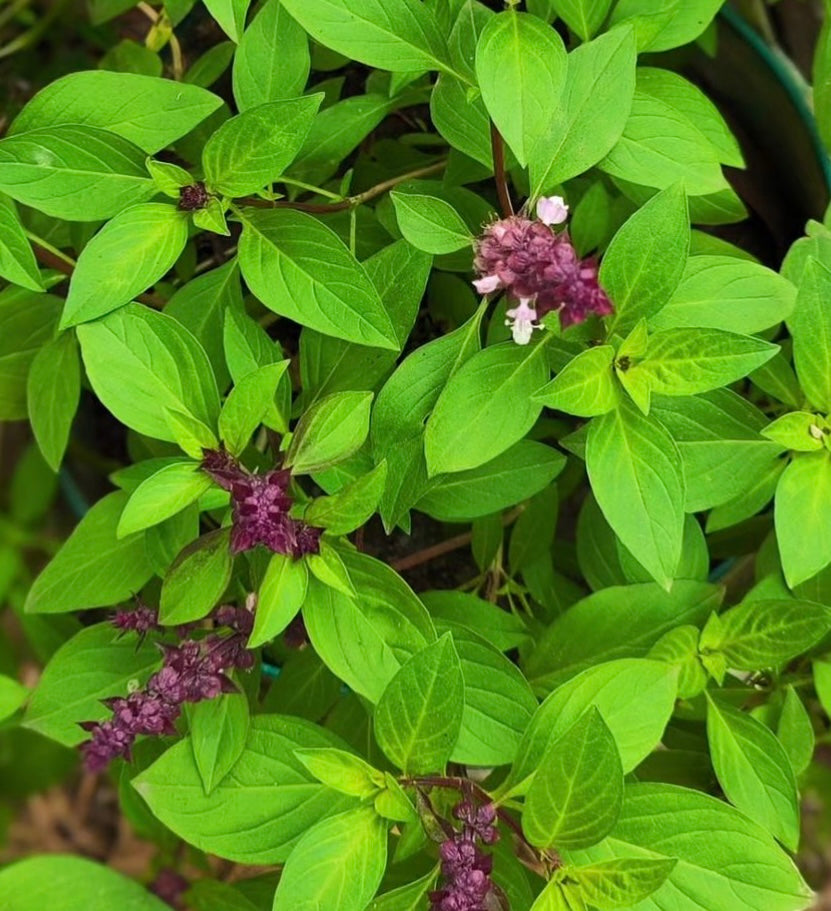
(260, 506)
(539, 269)
(192, 671)
(465, 867)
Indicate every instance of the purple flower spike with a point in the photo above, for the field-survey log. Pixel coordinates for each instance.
(540, 269)
(465, 868)
(260, 508)
(192, 671)
(141, 619)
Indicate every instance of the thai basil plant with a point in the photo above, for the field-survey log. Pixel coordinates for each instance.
(426, 507)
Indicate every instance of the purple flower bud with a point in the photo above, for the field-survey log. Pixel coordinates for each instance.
(141, 619)
(194, 196)
(109, 741)
(260, 508)
(465, 868)
(170, 887)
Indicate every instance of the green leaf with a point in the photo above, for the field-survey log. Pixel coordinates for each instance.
(218, 731)
(249, 404)
(419, 714)
(635, 472)
(620, 883)
(215, 895)
(191, 434)
(342, 771)
(53, 390)
(620, 621)
(352, 507)
(722, 451)
(95, 664)
(722, 292)
(810, 326)
(398, 35)
(796, 731)
(402, 407)
(586, 386)
(272, 60)
(822, 684)
(197, 579)
(209, 67)
(428, 222)
(93, 568)
(635, 696)
(141, 362)
(365, 640)
(725, 862)
(338, 864)
(149, 112)
(338, 130)
(754, 771)
(666, 24)
(803, 501)
(760, 633)
(405, 898)
(576, 796)
(593, 111)
(485, 407)
(246, 344)
(280, 597)
(800, 431)
(12, 696)
(521, 66)
(62, 883)
(679, 648)
(661, 146)
(300, 269)
(27, 323)
(17, 261)
(201, 306)
(498, 703)
(333, 429)
(73, 172)
(502, 629)
(229, 15)
(645, 261)
(520, 472)
(692, 361)
(128, 255)
(256, 815)
(162, 495)
(254, 148)
(582, 16)
(463, 122)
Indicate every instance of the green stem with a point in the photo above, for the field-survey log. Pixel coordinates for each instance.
(53, 250)
(351, 202)
(311, 188)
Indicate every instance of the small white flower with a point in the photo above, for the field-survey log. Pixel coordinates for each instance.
(488, 284)
(522, 321)
(552, 210)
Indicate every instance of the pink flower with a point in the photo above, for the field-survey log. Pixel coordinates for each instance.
(552, 210)
(523, 322)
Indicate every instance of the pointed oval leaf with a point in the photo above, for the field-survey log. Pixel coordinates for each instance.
(575, 798)
(78, 173)
(301, 269)
(754, 770)
(419, 714)
(145, 110)
(128, 255)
